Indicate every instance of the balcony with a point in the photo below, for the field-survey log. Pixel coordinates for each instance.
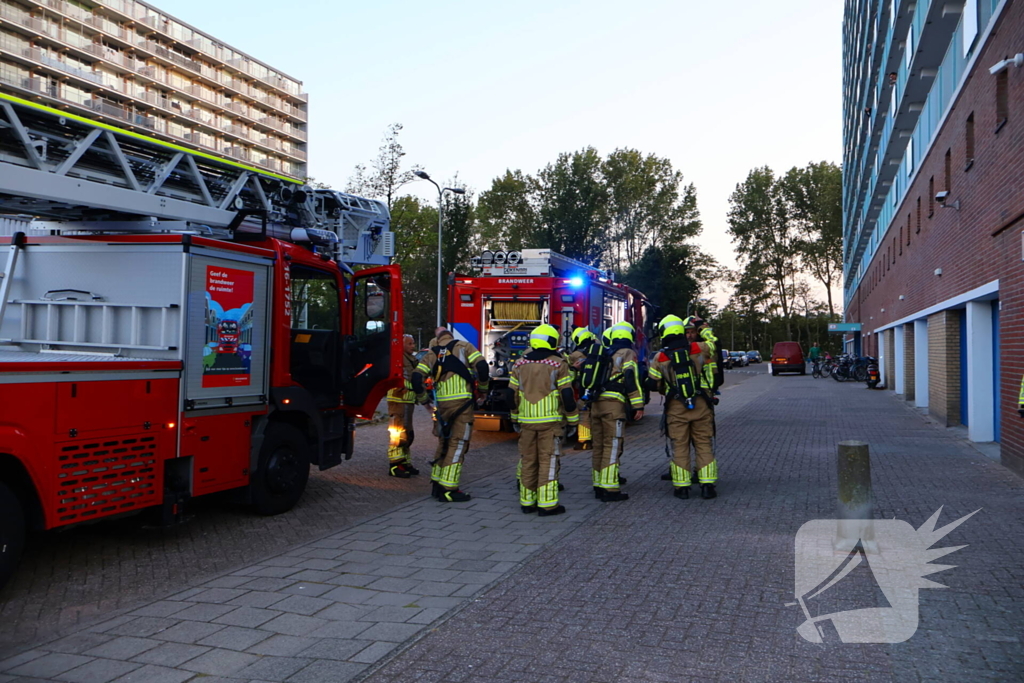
(36, 55)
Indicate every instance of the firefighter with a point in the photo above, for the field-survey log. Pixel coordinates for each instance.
(679, 373)
(608, 414)
(542, 385)
(586, 343)
(446, 373)
(401, 403)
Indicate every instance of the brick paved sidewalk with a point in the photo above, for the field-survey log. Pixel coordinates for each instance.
(328, 610)
(660, 589)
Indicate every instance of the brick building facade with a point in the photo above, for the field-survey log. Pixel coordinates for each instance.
(938, 286)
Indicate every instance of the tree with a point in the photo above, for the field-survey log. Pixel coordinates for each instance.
(644, 205)
(674, 277)
(814, 195)
(459, 241)
(765, 239)
(573, 204)
(415, 228)
(508, 215)
(385, 176)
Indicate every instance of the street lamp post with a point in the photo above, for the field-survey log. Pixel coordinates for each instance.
(440, 220)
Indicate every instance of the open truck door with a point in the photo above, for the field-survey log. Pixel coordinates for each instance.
(371, 355)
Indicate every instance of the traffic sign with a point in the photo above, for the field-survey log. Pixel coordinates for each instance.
(844, 327)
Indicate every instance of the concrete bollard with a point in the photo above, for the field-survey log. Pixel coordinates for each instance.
(854, 505)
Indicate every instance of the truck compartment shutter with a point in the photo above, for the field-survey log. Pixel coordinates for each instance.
(513, 312)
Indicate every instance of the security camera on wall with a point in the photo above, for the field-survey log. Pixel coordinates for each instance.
(940, 197)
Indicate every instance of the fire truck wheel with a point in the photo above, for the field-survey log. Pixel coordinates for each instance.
(282, 472)
(12, 532)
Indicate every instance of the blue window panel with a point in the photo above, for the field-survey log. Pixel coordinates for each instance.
(964, 360)
(996, 367)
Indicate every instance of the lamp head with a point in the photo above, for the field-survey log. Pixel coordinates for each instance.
(456, 190)
(421, 174)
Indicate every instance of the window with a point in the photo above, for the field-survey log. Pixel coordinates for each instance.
(894, 249)
(1002, 98)
(910, 157)
(901, 237)
(949, 171)
(918, 220)
(969, 148)
(931, 200)
(970, 25)
(314, 300)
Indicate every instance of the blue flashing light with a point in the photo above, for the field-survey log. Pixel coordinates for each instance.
(576, 282)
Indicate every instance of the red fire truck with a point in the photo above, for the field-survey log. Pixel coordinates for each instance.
(516, 291)
(115, 395)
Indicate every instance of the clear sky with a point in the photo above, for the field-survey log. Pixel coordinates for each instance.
(481, 86)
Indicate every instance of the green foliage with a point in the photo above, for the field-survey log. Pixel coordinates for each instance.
(385, 177)
(814, 195)
(573, 206)
(508, 214)
(673, 277)
(415, 227)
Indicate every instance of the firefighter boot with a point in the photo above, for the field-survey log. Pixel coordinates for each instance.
(397, 469)
(527, 509)
(622, 480)
(682, 492)
(436, 489)
(598, 492)
(455, 496)
(548, 512)
(584, 446)
(667, 476)
(613, 496)
(708, 491)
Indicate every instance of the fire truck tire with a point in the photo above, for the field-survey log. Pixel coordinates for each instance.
(12, 532)
(282, 471)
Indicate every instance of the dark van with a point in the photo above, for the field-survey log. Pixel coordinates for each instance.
(788, 357)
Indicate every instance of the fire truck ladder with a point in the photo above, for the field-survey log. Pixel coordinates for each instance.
(88, 175)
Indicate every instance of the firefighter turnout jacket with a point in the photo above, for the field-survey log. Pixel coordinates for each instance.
(542, 385)
(447, 366)
(405, 394)
(624, 377)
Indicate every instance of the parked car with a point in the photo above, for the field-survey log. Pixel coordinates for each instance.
(754, 356)
(788, 357)
(738, 359)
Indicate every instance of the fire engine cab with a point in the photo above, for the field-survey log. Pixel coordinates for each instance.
(516, 291)
(173, 324)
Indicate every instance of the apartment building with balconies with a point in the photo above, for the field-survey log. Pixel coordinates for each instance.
(933, 203)
(130, 65)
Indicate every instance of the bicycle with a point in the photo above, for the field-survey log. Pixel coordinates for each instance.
(816, 368)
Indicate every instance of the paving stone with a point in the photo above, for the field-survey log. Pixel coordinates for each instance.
(48, 666)
(235, 638)
(267, 583)
(397, 615)
(353, 580)
(219, 595)
(392, 585)
(436, 588)
(314, 575)
(350, 595)
(171, 654)
(233, 581)
(188, 632)
(392, 599)
(99, 671)
(326, 671)
(428, 616)
(344, 612)
(155, 674)
(375, 652)
(161, 608)
(124, 647)
(258, 599)
(219, 662)
(77, 643)
(334, 648)
(282, 646)
(142, 626)
(294, 624)
(341, 629)
(273, 668)
(393, 633)
(249, 617)
(299, 604)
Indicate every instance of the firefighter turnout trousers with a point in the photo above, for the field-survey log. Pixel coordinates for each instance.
(452, 447)
(540, 447)
(583, 430)
(694, 426)
(400, 432)
(607, 425)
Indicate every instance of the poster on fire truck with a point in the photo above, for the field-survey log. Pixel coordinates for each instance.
(229, 320)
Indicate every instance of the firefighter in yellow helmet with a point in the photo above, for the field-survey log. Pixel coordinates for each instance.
(401, 403)
(586, 344)
(544, 402)
(679, 372)
(450, 371)
(619, 390)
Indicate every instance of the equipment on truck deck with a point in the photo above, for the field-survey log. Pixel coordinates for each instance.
(516, 291)
(173, 325)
